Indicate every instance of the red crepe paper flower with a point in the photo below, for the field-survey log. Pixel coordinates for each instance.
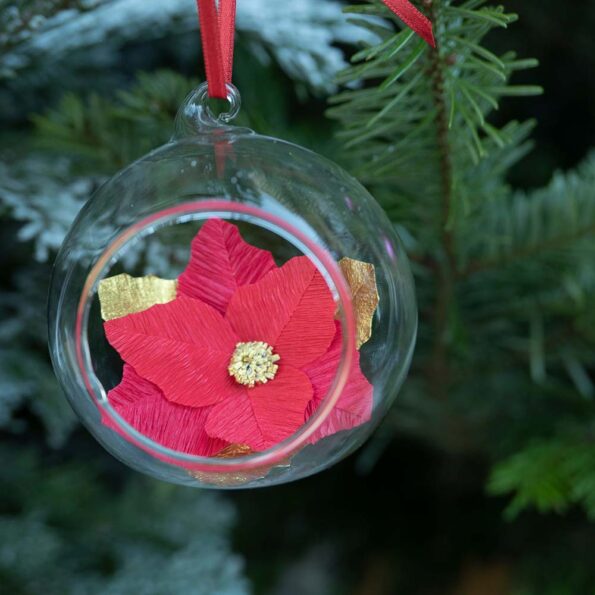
(354, 406)
(244, 354)
(142, 404)
(220, 262)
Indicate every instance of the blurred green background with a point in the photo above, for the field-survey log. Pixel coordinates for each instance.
(425, 507)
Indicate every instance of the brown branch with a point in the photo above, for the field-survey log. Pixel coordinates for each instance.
(447, 262)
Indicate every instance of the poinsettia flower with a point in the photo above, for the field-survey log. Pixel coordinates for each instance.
(185, 347)
(233, 302)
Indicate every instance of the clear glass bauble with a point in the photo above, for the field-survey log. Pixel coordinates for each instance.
(283, 198)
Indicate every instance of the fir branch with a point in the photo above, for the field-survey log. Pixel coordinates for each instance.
(505, 277)
(301, 37)
(142, 537)
(447, 266)
(105, 134)
(535, 225)
(550, 475)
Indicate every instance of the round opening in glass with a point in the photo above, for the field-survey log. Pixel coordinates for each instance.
(157, 248)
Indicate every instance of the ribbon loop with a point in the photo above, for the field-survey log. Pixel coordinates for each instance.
(217, 28)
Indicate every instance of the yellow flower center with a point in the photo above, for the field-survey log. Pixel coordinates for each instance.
(253, 363)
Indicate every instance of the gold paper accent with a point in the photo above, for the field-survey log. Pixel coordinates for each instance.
(122, 294)
(361, 278)
(236, 478)
(234, 450)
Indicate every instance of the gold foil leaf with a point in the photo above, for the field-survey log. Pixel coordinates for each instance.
(234, 450)
(361, 278)
(122, 294)
(229, 479)
(236, 478)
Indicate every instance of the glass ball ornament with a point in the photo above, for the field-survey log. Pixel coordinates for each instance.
(283, 199)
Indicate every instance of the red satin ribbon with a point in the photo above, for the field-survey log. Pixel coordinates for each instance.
(217, 31)
(413, 18)
(218, 26)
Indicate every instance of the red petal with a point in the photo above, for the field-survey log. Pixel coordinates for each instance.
(145, 408)
(183, 347)
(220, 262)
(355, 403)
(291, 308)
(263, 415)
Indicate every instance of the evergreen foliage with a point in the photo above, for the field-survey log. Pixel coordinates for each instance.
(505, 278)
(49, 543)
(506, 285)
(70, 527)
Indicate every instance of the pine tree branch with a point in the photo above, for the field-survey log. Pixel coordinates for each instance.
(527, 252)
(530, 227)
(549, 474)
(447, 266)
(426, 146)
